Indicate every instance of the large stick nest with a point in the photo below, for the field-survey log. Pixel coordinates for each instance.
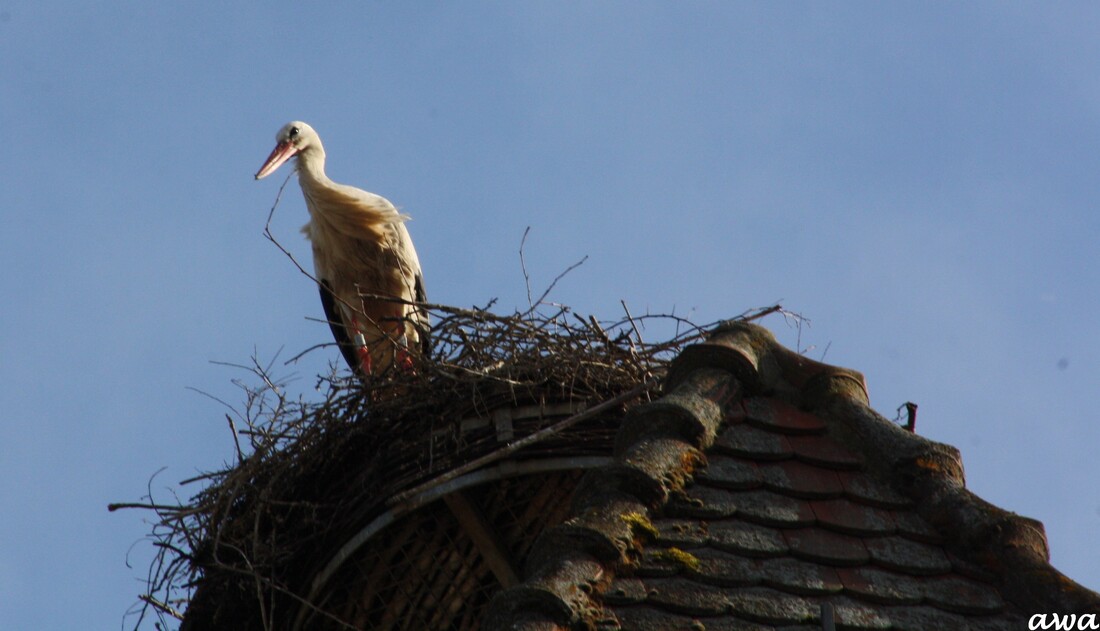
(307, 474)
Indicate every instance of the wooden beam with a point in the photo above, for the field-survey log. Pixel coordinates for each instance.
(483, 535)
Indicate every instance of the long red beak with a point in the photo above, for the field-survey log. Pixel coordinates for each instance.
(282, 152)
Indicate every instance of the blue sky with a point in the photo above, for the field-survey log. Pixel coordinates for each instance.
(917, 179)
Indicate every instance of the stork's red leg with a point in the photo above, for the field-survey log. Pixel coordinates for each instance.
(362, 349)
(364, 360)
(405, 361)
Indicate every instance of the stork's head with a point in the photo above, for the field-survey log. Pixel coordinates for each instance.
(292, 139)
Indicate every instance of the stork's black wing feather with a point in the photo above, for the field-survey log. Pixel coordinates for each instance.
(426, 330)
(336, 323)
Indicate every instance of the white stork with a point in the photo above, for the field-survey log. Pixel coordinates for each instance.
(361, 248)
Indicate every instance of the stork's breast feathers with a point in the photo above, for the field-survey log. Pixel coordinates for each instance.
(378, 258)
(353, 212)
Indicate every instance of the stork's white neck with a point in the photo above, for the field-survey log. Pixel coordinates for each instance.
(311, 166)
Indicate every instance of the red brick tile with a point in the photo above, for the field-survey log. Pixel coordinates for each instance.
(623, 591)
(823, 546)
(923, 618)
(681, 532)
(962, 595)
(799, 577)
(800, 479)
(687, 597)
(747, 539)
(735, 413)
(730, 473)
(752, 443)
(773, 607)
(910, 557)
(656, 563)
(647, 618)
(855, 519)
(778, 416)
(969, 569)
(824, 451)
(724, 569)
(861, 487)
(770, 509)
(913, 526)
(852, 614)
(701, 501)
(881, 586)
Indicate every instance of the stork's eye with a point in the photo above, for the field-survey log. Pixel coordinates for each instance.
(294, 132)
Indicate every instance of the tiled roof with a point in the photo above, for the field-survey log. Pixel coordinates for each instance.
(761, 488)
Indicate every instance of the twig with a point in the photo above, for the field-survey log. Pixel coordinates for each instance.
(526, 441)
(523, 267)
(236, 438)
(553, 283)
(161, 606)
(633, 324)
(146, 506)
(760, 314)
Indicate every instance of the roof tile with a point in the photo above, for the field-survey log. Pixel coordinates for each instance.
(971, 570)
(799, 577)
(962, 595)
(730, 473)
(772, 607)
(725, 570)
(702, 501)
(923, 618)
(854, 519)
(735, 413)
(687, 533)
(624, 591)
(881, 586)
(913, 526)
(823, 546)
(824, 451)
(800, 479)
(851, 614)
(747, 539)
(778, 416)
(771, 509)
(749, 442)
(687, 597)
(657, 563)
(652, 619)
(910, 557)
(865, 489)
